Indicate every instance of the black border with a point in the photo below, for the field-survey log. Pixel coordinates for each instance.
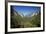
(6, 4)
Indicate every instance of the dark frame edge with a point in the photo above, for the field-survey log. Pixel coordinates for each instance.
(27, 2)
(43, 16)
(6, 2)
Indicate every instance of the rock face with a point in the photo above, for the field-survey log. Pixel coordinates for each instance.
(14, 15)
(16, 19)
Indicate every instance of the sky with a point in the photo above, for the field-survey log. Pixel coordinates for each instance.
(26, 9)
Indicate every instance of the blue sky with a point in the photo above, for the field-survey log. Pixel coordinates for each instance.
(26, 9)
